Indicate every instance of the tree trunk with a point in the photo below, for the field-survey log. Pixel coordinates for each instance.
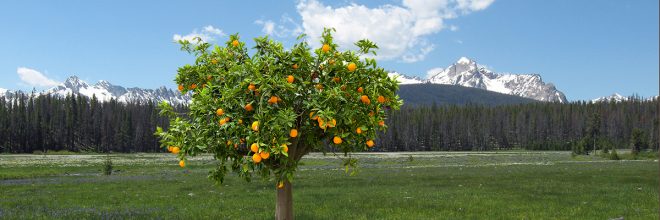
(284, 204)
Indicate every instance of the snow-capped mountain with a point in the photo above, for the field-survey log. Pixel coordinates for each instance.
(404, 80)
(104, 91)
(466, 72)
(616, 97)
(3, 91)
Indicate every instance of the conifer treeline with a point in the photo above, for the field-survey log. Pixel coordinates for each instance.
(76, 123)
(533, 126)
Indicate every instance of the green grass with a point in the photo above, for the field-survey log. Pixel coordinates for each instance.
(451, 185)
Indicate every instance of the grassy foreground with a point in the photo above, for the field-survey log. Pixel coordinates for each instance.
(443, 185)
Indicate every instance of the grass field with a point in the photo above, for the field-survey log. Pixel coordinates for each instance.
(440, 185)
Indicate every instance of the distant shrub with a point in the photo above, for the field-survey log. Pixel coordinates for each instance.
(411, 158)
(107, 166)
(613, 155)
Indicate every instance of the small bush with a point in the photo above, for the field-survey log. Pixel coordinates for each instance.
(613, 155)
(107, 166)
(411, 158)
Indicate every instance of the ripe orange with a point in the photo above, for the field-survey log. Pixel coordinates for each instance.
(358, 130)
(325, 48)
(248, 107)
(280, 185)
(381, 123)
(285, 148)
(193, 86)
(336, 79)
(264, 155)
(293, 133)
(182, 163)
(175, 150)
(336, 140)
(219, 112)
(381, 99)
(351, 67)
(181, 88)
(256, 158)
(321, 123)
(273, 100)
(295, 66)
(289, 79)
(254, 147)
(234, 43)
(360, 90)
(365, 99)
(332, 123)
(251, 87)
(169, 148)
(223, 121)
(370, 143)
(255, 126)
(313, 116)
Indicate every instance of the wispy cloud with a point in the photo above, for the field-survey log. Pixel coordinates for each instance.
(34, 78)
(399, 30)
(207, 34)
(286, 27)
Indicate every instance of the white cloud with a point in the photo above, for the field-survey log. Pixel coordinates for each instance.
(399, 31)
(453, 28)
(208, 34)
(433, 72)
(35, 78)
(286, 27)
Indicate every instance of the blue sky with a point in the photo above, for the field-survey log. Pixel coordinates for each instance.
(586, 48)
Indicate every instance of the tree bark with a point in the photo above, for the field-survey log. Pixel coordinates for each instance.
(284, 203)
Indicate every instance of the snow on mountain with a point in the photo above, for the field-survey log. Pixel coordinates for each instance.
(105, 91)
(616, 97)
(403, 79)
(3, 91)
(466, 72)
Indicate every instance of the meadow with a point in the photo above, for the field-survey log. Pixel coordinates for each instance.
(429, 185)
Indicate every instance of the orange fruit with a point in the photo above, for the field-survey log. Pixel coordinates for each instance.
(214, 61)
(336, 79)
(251, 87)
(325, 48)
(360, 90)
(181, 88)
(295, 66)
(381, 123)
(240, 121)
(264, 155)
(175, 150)
(358, 130)
(365, 99)
(332, 123)
(321, 122)
(273, 100)
(370, 143)
(293, 133)
(289, 79)
(255, 126)
(256, 158)
(223, 121)
(254, 147)
(285, 148)
(248, 107)
(169, 148)
(313, 116)
(351, 67)
(182, 163)
(381, 99)
(336, 140)
(193, 86)
(280, 185)
(234, 43)
(219, 112)
(371, 114)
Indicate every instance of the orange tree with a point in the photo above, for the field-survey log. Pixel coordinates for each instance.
(260, 114)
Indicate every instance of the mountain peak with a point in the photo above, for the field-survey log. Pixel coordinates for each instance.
(465, 61)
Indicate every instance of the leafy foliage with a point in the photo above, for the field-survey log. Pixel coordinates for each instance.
(245, 107)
